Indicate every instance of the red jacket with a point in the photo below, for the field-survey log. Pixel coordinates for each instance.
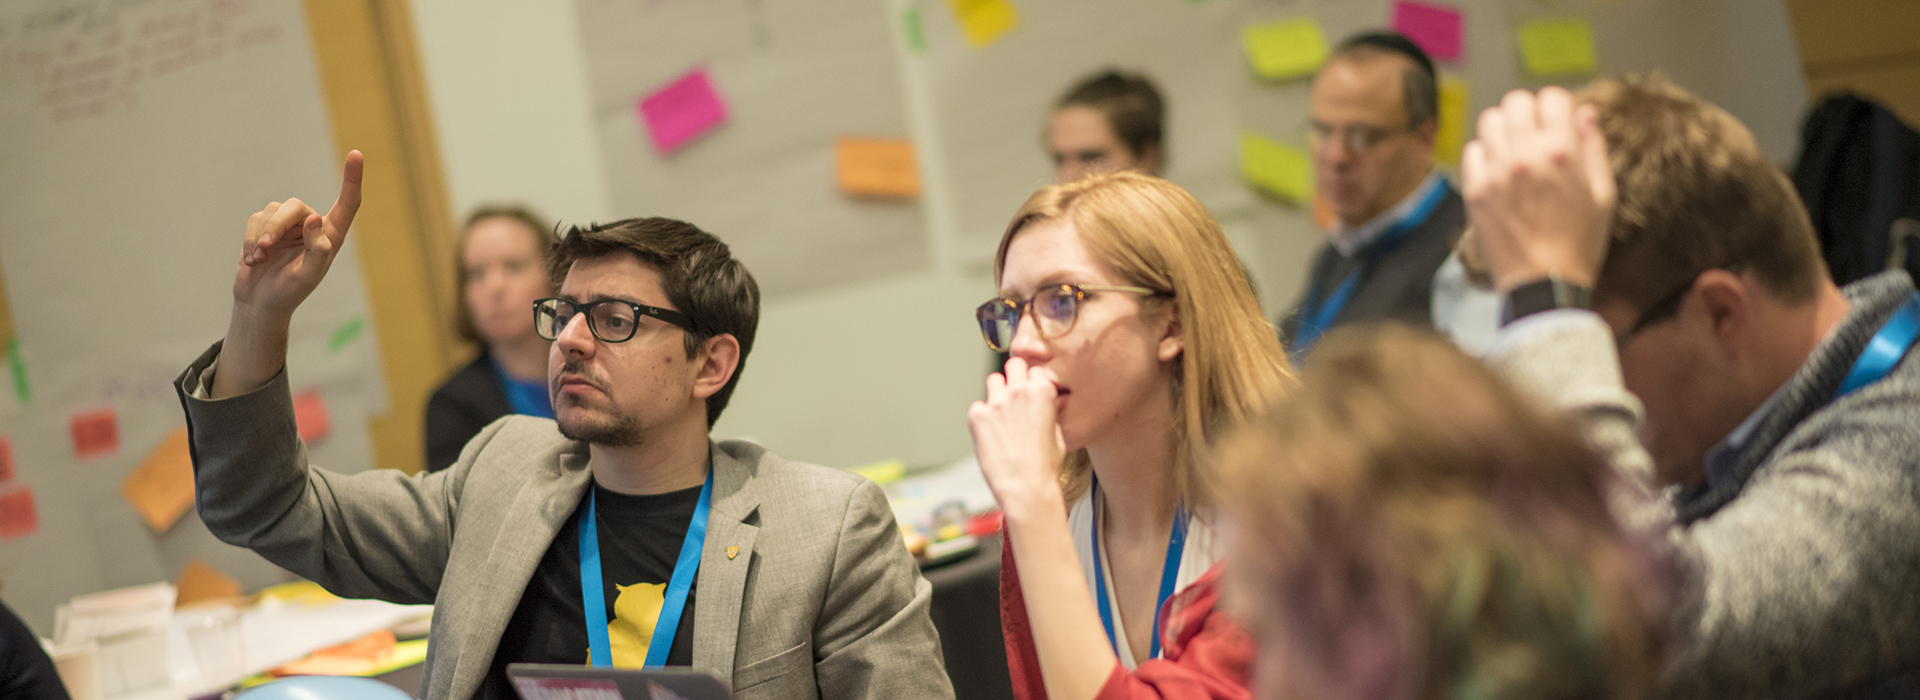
(1205, 654)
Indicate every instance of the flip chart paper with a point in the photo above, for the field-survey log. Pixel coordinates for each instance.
(161, 489)
(876, 167)
(1288, 48)
(96, 433)
(683, 110)
(1436, 28)
(1557, 46)
(200, 582)
(310, 415)
(17, 515)
(1452, 135)
(984, 21)
(1275, 167)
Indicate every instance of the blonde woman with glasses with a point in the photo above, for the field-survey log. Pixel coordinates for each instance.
(1133, 335)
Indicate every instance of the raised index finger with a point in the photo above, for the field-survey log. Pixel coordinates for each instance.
(341, 215)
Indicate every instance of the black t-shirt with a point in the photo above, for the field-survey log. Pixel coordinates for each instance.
(640, 539)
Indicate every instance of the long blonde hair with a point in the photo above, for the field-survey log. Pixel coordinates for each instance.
(1156, 235)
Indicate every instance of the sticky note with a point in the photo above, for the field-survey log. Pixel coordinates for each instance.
(6, 459)
(1289, 48)
(96, 433)
(1276, 168)
(161, 489)
(200, 582)
(1557, 46)
(17, 516)
(1452, 134)
(984, 21)
(17, 365)
(1436, 28)
(681, 111)
(310, 415)
(345, 334)
(876, 167)
(916, 33)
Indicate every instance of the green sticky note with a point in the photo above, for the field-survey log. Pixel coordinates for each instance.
(1276, 168)
(18, 365)
(1557, 46)
(1452, 135)
(916, 38)
(1289, 48)
(345, 334)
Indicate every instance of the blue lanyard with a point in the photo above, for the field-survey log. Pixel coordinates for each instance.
(1176, 544)
(1317, 316)
(593, 592)
(1886, 348)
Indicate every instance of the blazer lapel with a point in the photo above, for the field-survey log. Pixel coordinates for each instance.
(724, 562)
(526, 531)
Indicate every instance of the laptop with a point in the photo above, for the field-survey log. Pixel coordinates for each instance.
(570, 682)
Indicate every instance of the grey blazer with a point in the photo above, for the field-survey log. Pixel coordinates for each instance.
(1801, 567)
(805, 587)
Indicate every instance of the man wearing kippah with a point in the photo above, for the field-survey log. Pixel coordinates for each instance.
(1374, 117)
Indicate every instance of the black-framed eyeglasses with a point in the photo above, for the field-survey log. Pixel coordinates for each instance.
(1056, 308)
(610, 320)
(1667, 306)
(1358, 138)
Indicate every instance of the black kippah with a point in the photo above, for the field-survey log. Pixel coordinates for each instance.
(1391, 41)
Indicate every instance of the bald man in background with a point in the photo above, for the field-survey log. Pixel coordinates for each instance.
(1374, 118)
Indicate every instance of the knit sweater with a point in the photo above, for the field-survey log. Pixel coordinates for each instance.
(1803, 561)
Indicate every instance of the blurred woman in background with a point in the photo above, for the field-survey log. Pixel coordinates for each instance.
(1408, 526)
(1133, 334)
(503, 270)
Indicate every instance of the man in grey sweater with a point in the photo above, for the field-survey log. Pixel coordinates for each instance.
(1782, 418)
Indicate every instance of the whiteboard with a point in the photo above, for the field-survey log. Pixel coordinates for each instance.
(140, 136)
(795, 75)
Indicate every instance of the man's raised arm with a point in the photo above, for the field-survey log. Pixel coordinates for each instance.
(287, 250)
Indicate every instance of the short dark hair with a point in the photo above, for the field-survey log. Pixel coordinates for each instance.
(543, 241)
(1419, 84)
(1131, 103)
(697, 271)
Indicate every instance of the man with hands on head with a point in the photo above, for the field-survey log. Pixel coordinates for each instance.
(1650, 255)
(626, 537)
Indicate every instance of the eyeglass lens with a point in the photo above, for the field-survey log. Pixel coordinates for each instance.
(610, 320)
(1058, 307)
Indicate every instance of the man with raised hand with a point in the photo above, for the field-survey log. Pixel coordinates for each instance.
(1647, 248)
(624, 537)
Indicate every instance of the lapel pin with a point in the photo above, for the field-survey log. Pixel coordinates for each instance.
(733, 552)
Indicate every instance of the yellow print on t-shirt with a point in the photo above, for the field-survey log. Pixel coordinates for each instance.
(635, 613)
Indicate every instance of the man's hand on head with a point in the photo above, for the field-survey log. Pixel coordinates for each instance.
(1539, 190)
(286, 252)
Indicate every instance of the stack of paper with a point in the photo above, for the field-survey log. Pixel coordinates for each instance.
(130, 627)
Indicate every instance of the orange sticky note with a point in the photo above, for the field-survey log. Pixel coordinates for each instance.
(17, 516)
(6, 459)
(96, 433)
(310, 415)
(202, 582)
(876, 167)
(161, 490)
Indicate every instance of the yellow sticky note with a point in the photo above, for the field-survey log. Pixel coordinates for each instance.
(1289, 48)
(1557, 46)
(161, 490)
(874, 167)
(1452, 135)
(983, 21)
(1276, 168)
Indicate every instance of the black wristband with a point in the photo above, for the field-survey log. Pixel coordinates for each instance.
(1543, 295)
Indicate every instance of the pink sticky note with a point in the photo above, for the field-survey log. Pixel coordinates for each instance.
(684, 109)
(6, 459)
(310, 415)
(96, 433)
(1436, 28)
(17, 516)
